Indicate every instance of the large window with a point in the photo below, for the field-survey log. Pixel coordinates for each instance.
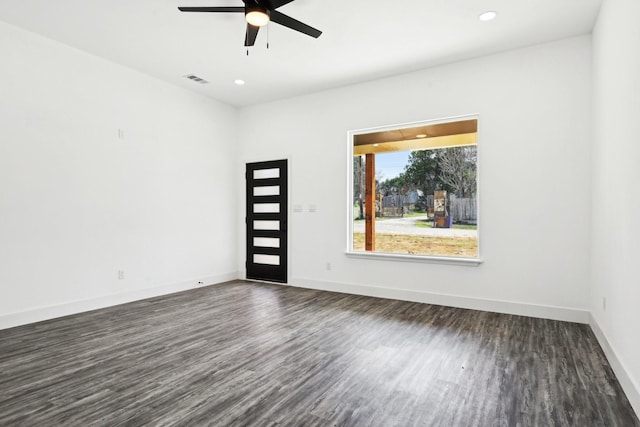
(414, 190)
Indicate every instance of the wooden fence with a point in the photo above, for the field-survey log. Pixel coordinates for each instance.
(465, 210)
(461, 209)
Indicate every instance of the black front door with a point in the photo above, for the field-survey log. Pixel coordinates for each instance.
(267, 221)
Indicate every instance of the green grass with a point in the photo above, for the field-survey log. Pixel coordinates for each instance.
(429, 224)
(413, 214)
(465, 226)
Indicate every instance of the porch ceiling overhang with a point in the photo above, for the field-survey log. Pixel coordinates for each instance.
(441, 135)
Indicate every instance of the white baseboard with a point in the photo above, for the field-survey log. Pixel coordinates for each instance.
(507, 307)
(630, 387)
(51, 312)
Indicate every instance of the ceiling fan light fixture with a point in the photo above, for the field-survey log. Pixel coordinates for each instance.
(257, 17)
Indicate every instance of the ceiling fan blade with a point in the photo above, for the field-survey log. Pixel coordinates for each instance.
(251, 34)
(277, 3)
(211, 9)
(289, 22)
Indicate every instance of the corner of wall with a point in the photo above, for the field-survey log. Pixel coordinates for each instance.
(629, 386)
(54, 311)
(564, 314)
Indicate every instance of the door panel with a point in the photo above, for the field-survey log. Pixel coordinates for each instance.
(267, 221)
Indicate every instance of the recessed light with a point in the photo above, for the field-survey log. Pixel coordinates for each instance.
(488, 15)
(422, 135)
(239, 82)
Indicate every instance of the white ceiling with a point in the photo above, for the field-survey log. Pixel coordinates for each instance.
(362, 39)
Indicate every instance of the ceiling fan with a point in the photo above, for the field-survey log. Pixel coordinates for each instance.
(258, 13)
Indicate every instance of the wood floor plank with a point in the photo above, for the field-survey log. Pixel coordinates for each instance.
(245, 354)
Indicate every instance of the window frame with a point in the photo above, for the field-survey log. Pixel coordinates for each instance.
(382, 256)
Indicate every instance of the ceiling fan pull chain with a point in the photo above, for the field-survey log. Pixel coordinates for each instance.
(268, 36)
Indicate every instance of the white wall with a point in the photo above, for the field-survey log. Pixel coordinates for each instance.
(534, 107)
(616, 189)
(77, 203)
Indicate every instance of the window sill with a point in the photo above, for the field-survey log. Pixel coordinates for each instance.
(473, 262)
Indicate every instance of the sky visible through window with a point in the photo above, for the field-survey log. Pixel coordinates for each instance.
(392, 164)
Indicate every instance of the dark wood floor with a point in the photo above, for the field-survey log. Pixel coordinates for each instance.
(242, 354)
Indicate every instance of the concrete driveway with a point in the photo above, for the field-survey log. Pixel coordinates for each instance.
(408, 226)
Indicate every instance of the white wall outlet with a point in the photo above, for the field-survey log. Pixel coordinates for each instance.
(120, 274)
(120, 133)
(328, 266)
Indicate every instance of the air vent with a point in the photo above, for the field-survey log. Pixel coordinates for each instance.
(196, 79)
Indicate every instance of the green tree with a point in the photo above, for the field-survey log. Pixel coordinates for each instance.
(393, 185)
(452, 169)
(423, 171)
